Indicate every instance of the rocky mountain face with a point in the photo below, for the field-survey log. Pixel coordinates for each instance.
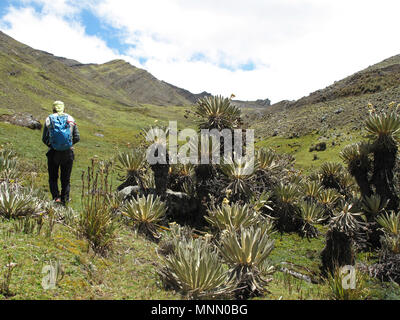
(340, 106)
(253, 104)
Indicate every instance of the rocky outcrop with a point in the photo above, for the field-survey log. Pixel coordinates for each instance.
(22, 120)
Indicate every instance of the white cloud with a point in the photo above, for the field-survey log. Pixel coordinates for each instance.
(296, 46)
(52, 33)
(56, 7)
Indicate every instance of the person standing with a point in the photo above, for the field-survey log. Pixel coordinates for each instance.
(60, 133)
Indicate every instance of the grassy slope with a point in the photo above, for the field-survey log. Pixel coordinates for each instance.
(133, 263)
(126, 274)
(299, 148)
(129, 273)
(132, 266)
(119, 128)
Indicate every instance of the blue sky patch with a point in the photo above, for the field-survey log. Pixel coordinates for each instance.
(6, 4)
(143, 60)
(112, 36)
(198, 56)
(3, 7)
(249, 66)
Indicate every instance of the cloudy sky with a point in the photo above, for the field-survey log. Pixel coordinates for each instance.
(256, 49)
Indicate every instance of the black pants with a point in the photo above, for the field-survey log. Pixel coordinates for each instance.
(60, 161)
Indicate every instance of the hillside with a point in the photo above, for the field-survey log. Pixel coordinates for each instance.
(334, 115)
(134, 84)
(30, 77)
(108, 119)
(341, 105)
(104, 249)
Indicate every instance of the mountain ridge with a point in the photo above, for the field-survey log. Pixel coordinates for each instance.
(117, 79)
(341, 105)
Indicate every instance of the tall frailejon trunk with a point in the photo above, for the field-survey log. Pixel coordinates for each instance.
(161, 175)
(374, 234)
(383, 172)
(338, 251)
(361, 176)
(130, 181)
(160, 178)
(331, 182)
(288, 220)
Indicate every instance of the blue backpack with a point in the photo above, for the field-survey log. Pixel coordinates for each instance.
(60, 132)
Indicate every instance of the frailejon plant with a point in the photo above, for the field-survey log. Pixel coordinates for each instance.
(344, 227)
(346, 220)
(160, 156)
(194, 269)
(265, 159)
(391, 227)
(172, 237)
(232, 217)
(146, 213)
(266, 166)
(312, 190)
(311, 214)
(285, 203)
(246, 253)
(15, 203)
(262, 202)
(179, 175)
(328, 199)
(383, 133)
(373, 206)
(239, 174)
(217, 113)
(331, 174)
(131, 165)
(356, 156)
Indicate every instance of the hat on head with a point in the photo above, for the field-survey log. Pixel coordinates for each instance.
(58, 106)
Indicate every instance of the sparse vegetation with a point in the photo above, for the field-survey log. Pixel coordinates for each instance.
(145, 213)
(226, 246)
(96, 222)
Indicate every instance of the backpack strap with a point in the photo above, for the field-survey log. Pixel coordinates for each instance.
(51, 125)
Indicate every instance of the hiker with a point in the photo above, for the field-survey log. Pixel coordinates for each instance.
(60, 133)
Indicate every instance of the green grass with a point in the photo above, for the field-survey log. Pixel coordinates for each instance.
(120, 127)
(128, 273)
(299, 148)
(130, 270)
